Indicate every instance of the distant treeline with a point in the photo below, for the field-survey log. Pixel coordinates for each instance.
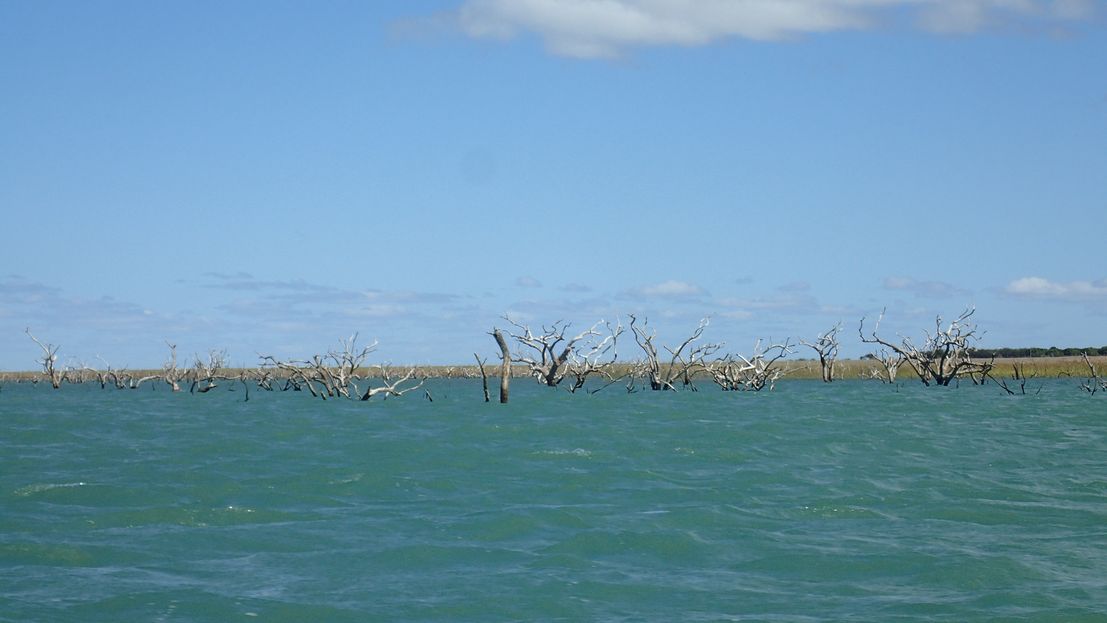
(1052, 351)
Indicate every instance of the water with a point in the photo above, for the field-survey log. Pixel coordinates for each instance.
(852, 501)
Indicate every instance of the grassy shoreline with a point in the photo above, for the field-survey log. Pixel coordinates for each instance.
(800, 369)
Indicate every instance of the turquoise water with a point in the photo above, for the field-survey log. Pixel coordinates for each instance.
(852, 501)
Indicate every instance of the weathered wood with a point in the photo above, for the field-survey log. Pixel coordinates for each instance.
(944, 355)
(505, 364)
(826, 346)
(483, 377)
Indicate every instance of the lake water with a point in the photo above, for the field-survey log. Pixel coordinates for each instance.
(852, 501)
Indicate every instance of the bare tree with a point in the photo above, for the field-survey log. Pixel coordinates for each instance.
(326, 376)
(685, 360)
(483, 377)
(263, 376)
(206, 373)
(826, 345)
(48, 361)
(171, 373)
(392, 387)
(546, 354)
(597, 356)
(336, 373)
(1095, 382)
(1019, 379)
(753, 373)
(944, 355)
(890, 362)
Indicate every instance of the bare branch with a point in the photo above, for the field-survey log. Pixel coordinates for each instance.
(945, 353)
(547, 353)
(48, 361)
(685, 360)
(754, 373)
(826, 346)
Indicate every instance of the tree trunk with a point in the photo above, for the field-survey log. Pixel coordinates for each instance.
(505, 367)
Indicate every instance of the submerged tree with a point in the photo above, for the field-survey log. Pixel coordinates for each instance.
(206, 373)
(598, 358)
(943, 356)
(546, 354)
(753, 373)
(890, 363)
(1095, 382)
(1019, 379)
(48, 361)
(826, 345)
(505, 364)
(684, 361)
(334, 374)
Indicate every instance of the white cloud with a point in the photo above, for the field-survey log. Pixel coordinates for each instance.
(671, 289)
(1041, 288)
(926, 289)
(606, 28)
(795, 302)
(527, 281)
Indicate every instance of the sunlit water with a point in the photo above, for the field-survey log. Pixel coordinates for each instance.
(852, 501)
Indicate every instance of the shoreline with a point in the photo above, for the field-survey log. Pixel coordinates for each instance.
(798, 369)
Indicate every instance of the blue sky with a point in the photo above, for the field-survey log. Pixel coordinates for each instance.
(271, 177)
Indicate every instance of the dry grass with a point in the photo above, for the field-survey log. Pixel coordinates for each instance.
(1040, 367)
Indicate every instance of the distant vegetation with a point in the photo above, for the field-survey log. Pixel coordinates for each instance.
(1052, 351)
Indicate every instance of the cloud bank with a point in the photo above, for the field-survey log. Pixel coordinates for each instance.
(1072, 291)
(607, 28)
(923, 288)
(671, 289)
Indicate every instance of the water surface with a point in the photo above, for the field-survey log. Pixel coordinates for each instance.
(851, 501)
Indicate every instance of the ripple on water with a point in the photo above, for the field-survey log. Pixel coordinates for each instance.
(843, 502)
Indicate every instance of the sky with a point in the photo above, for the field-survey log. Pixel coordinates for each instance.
(272, 177)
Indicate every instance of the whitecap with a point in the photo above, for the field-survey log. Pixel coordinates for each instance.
(46, 486)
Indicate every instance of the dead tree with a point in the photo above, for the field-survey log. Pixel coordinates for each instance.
(206, 373)
(685, 360)
(595, 357)
(944, 355)
(264, 377)
(505, 364)
(336, 373)
(326, 376)
(890, 362)
(170, 372)
(1019, 379)
(483, 377)
(1095, 382)
(753, 373)
(826, 345)
(392, 387)
(344, 365)
(77, 372)
(547, 354)
(48, 361)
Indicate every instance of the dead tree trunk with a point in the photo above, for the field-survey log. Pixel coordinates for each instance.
(483, 377)
(1095, 382)
(826, 346)
(48, 361)
(891, 363)
(944, 355)
(505, 364)
(754, 373)
(171, 374)
(685, 361)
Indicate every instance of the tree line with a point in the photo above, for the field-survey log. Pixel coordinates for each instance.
(1052, 351)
